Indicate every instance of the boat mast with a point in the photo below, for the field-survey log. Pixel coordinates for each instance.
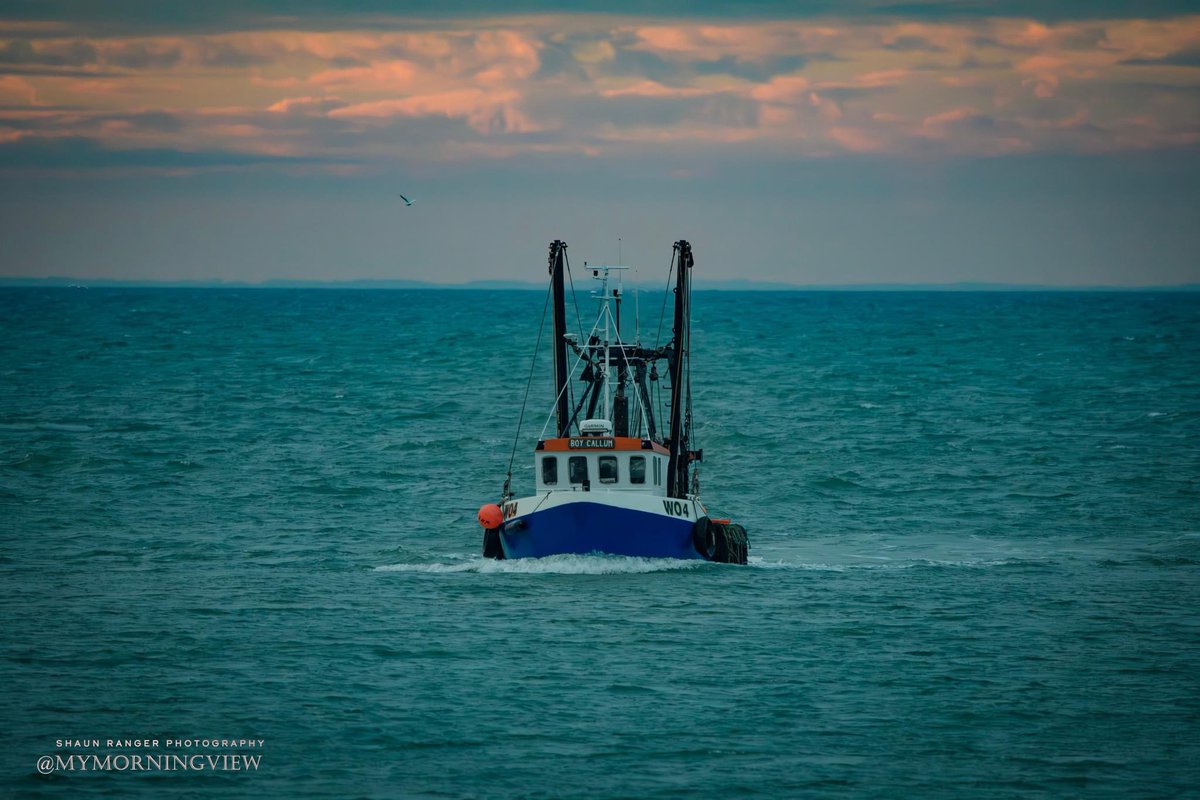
(620, 415)
(678, 462)
(558, 256)
(607, 313)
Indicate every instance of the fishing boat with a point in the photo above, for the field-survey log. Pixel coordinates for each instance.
(612, 479)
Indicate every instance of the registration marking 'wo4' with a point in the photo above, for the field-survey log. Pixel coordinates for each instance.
(677, 508)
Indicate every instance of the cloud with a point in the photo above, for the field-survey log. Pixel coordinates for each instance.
(15, 90)
(55, 54)
(136, 17)
(902, 43)
(784, 89)
(593, 52)
(306, 105)
(228, 54)
(653, 89)
(441, 88)
(395, 75)
(857, 140)
(140, 55)
(1183, 58)
(83, 154)
(485, 112)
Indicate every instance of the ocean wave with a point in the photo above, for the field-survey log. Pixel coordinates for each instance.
(969, 563)
(628, 565)
(553, 565)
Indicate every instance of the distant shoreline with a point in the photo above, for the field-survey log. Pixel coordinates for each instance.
(500, 285)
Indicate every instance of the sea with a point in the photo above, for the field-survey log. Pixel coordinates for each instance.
(239, 554)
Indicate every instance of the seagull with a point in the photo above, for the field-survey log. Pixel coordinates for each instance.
(407, 202)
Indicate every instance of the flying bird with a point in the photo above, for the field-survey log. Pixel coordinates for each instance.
(407, 202)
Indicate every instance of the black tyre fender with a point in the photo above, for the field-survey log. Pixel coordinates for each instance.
(492, 548)
(706, 538)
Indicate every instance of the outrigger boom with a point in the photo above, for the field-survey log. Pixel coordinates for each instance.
(646, 501)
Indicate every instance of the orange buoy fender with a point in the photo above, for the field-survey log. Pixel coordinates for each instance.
(490, 516)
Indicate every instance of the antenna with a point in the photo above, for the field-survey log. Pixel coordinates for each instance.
(622, 286)
(637, 314)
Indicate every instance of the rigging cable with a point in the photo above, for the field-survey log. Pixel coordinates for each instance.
(663, 313)
(507, 491)
(574, 301)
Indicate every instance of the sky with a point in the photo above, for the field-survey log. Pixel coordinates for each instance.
(814, 143)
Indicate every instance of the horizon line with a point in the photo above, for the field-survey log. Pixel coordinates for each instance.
(504, 284)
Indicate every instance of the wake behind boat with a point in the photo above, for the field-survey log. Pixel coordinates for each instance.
(611, 480)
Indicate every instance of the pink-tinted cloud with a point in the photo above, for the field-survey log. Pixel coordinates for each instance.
(306, 105)
(595, 85)
(782, 89)
(857, 140)
(395, 75)
(654, 89)
(486, 112)
(15, 90)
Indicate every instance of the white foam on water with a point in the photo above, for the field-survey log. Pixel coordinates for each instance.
(759, 563)
(627, 565)
(553, 565)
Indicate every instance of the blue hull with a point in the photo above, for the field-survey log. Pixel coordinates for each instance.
(597, 528)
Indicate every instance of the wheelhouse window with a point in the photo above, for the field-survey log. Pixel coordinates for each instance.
(550, 470)
(608, 469)
(577, 469)
(637, 469)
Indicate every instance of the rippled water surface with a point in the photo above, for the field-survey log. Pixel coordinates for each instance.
(975, 563)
